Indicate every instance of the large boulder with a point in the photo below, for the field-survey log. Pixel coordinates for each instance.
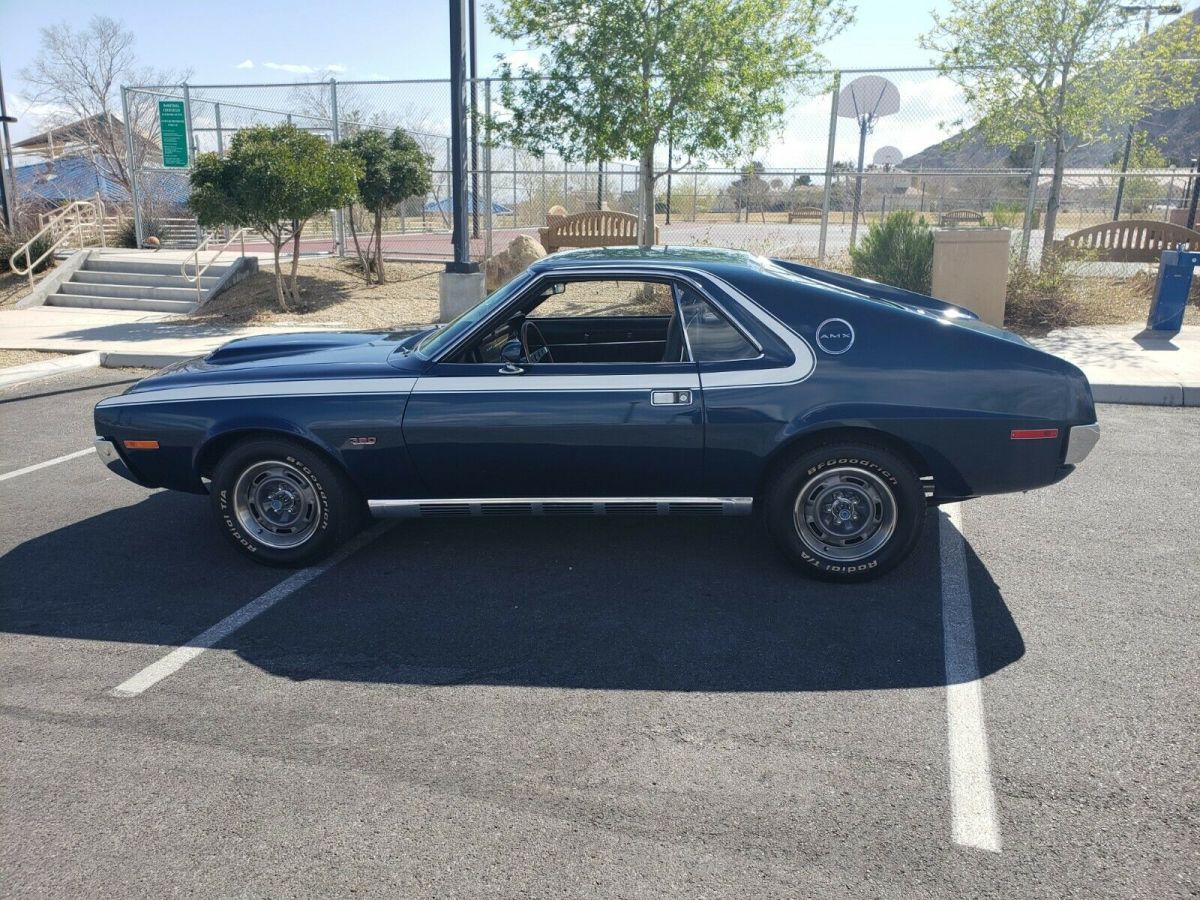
(522, 251)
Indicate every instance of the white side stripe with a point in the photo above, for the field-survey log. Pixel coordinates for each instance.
(972, 803)
(539, 379)
(297, 388)
(43, 465)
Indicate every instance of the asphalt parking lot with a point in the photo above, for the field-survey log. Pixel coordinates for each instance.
(598, 707)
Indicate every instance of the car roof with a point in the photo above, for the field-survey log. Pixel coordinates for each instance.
(714, 259)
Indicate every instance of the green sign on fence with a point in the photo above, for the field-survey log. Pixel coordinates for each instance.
(172, 124)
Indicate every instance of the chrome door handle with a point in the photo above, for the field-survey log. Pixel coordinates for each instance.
(670, 398)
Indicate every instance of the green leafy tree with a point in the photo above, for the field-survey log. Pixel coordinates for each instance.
(897, 251)
(1144, 190)
(616, 77)
(392, 168)
(1061, 72)
(273, 180)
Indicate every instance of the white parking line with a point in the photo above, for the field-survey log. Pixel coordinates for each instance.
(972, 802)
(49, 462)
(181, 656)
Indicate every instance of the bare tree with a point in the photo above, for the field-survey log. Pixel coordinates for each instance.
(80, 72)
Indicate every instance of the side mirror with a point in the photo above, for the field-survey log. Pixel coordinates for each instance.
(511, 353)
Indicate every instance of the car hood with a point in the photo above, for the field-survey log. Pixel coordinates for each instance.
(306, 355)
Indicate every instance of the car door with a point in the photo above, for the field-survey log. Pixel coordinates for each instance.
(559, 429)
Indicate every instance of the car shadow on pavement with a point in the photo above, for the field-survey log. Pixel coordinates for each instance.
(629, 604)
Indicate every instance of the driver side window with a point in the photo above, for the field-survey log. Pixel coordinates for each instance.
(589, 320)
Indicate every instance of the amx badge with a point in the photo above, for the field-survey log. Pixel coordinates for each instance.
(835, 336)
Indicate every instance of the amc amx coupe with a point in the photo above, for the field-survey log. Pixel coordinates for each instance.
(614, 382)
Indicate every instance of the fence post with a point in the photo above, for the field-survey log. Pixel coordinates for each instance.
(1027, 226)
(339, 222)
(514, 149)
(487, 168)
(191, 141)
(837, 84)
(133, 169)
(695, 191)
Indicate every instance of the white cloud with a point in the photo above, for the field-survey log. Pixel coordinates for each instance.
(293, 68)
(301, 69)
(245, 64)
(519, 58)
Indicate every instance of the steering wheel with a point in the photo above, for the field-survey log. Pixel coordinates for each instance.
(534, 353)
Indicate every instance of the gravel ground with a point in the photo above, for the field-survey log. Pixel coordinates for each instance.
(10, 358)
(333, 293)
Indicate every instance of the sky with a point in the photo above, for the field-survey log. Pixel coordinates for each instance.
(264, 41)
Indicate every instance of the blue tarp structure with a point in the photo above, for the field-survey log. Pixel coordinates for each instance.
(444, 206)
(80, 178)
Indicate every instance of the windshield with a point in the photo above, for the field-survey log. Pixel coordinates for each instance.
(445, 336)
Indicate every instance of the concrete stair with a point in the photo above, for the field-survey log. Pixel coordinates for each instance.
(133, 281)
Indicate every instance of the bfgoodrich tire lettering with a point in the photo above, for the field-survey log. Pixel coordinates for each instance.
(845, 512)
(282, 503)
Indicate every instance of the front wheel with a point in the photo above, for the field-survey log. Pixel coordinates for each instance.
(283, 503)
(846, 512)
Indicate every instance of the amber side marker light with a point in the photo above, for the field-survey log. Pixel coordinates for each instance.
(141, 445)
(1033, 434)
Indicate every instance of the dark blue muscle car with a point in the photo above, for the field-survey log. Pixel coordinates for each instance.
(601, 382)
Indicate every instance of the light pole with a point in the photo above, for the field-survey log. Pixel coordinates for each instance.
(1147, 10)
(5, 199)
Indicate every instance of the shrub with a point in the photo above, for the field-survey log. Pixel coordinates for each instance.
(10, 244)
(1044, 298)
(897, 251)
(127, 234)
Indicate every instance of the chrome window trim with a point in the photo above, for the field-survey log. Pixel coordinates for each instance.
(633, 272)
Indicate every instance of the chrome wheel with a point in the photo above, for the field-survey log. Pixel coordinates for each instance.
(277, 504)
(845, 513)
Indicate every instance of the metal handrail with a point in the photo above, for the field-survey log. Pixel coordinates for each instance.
(76, 228)
(239, 234)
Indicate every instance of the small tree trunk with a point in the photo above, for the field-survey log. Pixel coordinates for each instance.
(646, 174)
(379, 273)
(1052, 201)
(295, 263)
(277, 243)
(362, 259)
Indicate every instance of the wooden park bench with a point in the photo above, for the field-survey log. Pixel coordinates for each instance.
(595, 228)
(956, 217)
(1128, 241)
(805, 214)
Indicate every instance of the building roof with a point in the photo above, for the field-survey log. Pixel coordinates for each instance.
(81, 178)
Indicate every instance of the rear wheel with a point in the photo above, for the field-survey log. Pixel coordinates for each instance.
(846, 511)
(283, 503)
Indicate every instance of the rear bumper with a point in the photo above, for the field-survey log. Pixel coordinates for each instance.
(111, 457)
(1080, 441)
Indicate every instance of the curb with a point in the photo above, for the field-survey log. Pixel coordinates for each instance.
(126, 360)
(1148, 394)
(36, 371)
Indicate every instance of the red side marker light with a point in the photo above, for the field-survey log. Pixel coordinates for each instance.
(141, 445)
(1033, 434)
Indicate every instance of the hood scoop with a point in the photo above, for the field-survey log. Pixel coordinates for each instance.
(270, 346)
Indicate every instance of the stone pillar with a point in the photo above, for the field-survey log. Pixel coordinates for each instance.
(970, 269)
(458, 292)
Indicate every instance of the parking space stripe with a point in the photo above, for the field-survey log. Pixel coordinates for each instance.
(49, 462)
(972, 801)
(181, 656)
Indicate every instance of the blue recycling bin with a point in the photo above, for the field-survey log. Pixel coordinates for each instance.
(1175, 269)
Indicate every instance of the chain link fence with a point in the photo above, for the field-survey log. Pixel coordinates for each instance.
(803, 197)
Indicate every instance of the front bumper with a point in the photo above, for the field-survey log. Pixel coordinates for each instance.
(1080, 441)
(107, 451)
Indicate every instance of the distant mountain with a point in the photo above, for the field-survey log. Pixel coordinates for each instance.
(1176, 132)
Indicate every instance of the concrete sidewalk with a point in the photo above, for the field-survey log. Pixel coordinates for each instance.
(1126, 366)
(126, 337)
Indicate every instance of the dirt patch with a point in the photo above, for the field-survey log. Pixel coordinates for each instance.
(9, 358)
(333, 293)
(12, 288)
